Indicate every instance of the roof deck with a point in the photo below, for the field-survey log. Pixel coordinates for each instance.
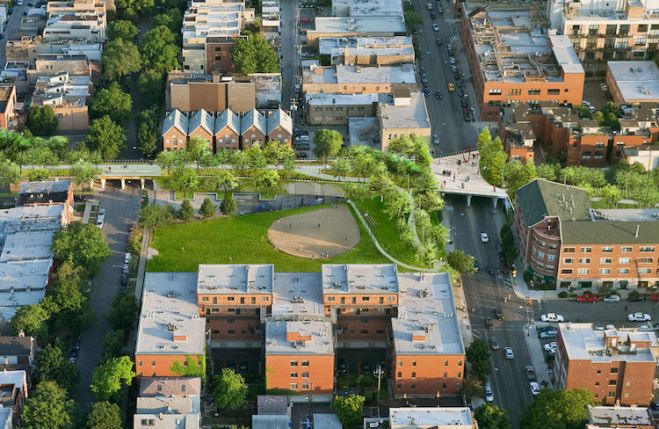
(233, 279)
(360, 279)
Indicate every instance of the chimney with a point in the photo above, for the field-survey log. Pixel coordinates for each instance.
(216, 77)
(180, 338)
(418, 336)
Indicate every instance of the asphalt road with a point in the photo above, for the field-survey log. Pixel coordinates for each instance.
(121, 209)
(11, 27)
(288, 44)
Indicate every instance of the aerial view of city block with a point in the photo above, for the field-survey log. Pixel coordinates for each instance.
(329, 214)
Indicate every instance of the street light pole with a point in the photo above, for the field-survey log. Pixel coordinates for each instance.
(379, 373)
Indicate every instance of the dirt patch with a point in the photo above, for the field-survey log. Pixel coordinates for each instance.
(322, 233)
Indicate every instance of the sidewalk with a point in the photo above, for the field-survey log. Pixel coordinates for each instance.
(537, 354)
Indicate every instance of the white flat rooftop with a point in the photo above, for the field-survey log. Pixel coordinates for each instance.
(367, 25)
(360, 279)
(637, 81)
(169, 320)
(565, 55)
(403, 73)
(298, 338)
(327, 99)
(24, 276)
(426, 322)
(583, 342)
(336, 45)
(412, 115)
(27, 245)
(623, 416)
(427, 417)
(298, 296)
(235, 279)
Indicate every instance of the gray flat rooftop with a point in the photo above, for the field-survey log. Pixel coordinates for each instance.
(583, 342)
(298, 338)
(270, 422)
(368, 25)
(637, 81)
(27, 245)
(166, 421)
(31, 218)
(235, 279)
(408, 115)
(426, 322)
(427, 417)
(625, 215)
(370, 7)
(168, 404)
(403, 73)
(298, 296)
(328, 99)
(360, 279)
(611, 416)
(24, 276)
(335, 45)
(169, 320)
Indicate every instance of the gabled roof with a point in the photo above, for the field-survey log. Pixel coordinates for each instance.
(203, 119)
(280, 118)
(176, 119)
(253, 118)
(542, 198)
(227, 119)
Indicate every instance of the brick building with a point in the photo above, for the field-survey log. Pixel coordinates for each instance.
(633, 82)
(617, 365)
(512, 61)
(563, 240)
(7, 102)
(341, 79)
(190, 92)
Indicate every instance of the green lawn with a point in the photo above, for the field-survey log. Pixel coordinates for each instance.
(240, 240)
(386, 233)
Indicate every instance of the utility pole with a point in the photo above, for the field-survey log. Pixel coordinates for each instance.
(379, 373)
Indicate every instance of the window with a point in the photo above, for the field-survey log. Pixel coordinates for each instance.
(459, 364)
(551, 257)
(623, 271)
(495, 92)
(331, 299)
(568, 249)
(153, 363)
(611, 394)
(646, 249)
(597, 383)
(644, 260)
(204, 298)
(293, 363)
(364, 331)
(305, 386)
(400, 363)
(640, 41)
(599, 371)
(605, 260)
(305, 374)
(607, 249)
(445, 363)
(584, 260)
(585, 250)
(613, 370)
(534, 92)
(605, 270)
(366, 298)
(231, 298)
(293, 374)
(414, 375)
(624, 260)
(413, 363)
(413, 386)
(400, 374)
(305, 363)
(626, 250)
(566, 271)
(381, 300)
(568, 260)
(293, 386)
(644, 270)
(613, 382)
(583, 271)
(553, 91)
(515, 92)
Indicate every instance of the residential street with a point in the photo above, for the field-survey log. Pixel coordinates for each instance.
(121, 212)
(11, 27)
(289, 50)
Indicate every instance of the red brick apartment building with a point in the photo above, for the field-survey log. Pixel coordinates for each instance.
(511, 61)
(299, 320)
(563, 240)
(617, 365)
(560, 131)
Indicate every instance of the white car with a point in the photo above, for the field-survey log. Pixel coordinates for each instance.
(487, 389)
(612, 298)
(639, 317)
(552, 317)
(509, 353)
(551, 347)
(100, 219)
(484, 237)
(535, 388)
(435, 27)
(604, 87)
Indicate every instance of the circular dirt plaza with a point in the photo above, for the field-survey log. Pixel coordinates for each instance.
(322, 233)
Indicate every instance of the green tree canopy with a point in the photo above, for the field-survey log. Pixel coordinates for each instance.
(492, 417)
(48, 408)
(197, 148)
(134, 9)
(267, 181)
(185, 179)
(114, 102)
(349, 409)
(160, 50)
(478, 354)
(327, 143)
(172, 19)
(224, 180)
(207, 208)
(517, 174)
(83, 173)
(30, 320)
(41, 120)
(10, 173)
(83, 244)
(152, 216)
(256, 156)
(65, 292)
(562, 409)
(151, 85)
(122, 29)
(492, 158)
(39, 174)
(122, 311)
(113, 343)
(147, 132)
(229, 390)
(109, 377)
(186, 212)
(53, 366)
(254, 54)
(120, 58)
(105, 415)
(471, 387)
(106, 136)
(460, 261)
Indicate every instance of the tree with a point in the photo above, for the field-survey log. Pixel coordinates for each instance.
(109, 377)
(429, 201)
(120, 58)
(38, 174)
(478, 354)
(327, 143)
(461, 262)
(83, 173)
(105, 415)
(48, 408)
(83, 244)
(267, 181)
(122, 311)
(278, 153)
(611, 195)
(113, 343)
(472, 387)
(151, 85)
(147, 132)
(53, 366)
(412, 18)
(207, 208)
(186, 212)
(341, 167)
(517, 174)
(172, 19)
(152, 216)
(133, 9)
(255, 156)
(229, 390)
(106, 136)
(349, 409)
(194, 366)
(224, 180)
(160, 50)
(197, 148)
(122, 29)
(30, 320)
(492, 417)
(42, 120)
(492, 158)
(65, 292)
(10, 173)
(562, 409)
(114, 102)
(168, 160)
(228, 205)
(508, 243)
(185, 179)
(254, 54)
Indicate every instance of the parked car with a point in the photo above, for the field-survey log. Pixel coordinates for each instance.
(498, 314)
(494, 343)
(127, 257)
(484, 237)
(477, 266)
(530, 372)
(341, 366)
(545, 335)
(487, 390)
(552, 317)
(612, 298)
(124, 280)
(551, 347)
(639, 317)
(100, 219)
(73, 357)
(535, 388)
(509, 353)
(588, 297)
(435, 27)
(439, 41)
(435, 139)
(489, 324)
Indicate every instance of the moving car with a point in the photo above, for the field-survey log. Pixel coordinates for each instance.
(100, 219)
(487, 389)
(484, 237)
(435, 27)
(535, 388)
(494, 343)
(451, 86)
(438, 95)
(612, 298)
(498, 314)
(509, 353)
(639, 317)
(439, 42)
(530, 372)
(552, 317)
